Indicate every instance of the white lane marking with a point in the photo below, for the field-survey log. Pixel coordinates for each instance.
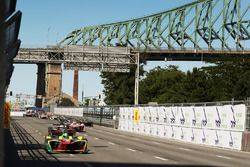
(136, 139)
(71, 155)
(155, 142)
(113, 133)
(221, 156)
(96, 138)
(111, 143)
(40, 133)
(37, 131)
(129, 149)
(87, 164)
(185, 149)
(86, 135)
(121, 135)
(160, 158)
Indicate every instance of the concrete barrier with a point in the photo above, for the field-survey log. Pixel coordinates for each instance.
(218, 126)
(16, 114)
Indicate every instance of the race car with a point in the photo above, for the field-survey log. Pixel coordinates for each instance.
(77, 126)
(61, 139)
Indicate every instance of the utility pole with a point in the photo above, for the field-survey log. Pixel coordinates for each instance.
(137, 77)
(82, 93)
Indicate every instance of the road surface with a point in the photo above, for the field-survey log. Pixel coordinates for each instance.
(111, 147)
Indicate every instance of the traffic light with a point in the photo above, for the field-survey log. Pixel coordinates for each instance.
(10, 93)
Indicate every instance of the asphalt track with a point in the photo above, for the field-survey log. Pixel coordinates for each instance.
(24, 147)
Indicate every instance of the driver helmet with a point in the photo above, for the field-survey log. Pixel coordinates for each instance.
(65, 135)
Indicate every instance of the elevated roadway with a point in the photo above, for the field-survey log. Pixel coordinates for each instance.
(121, 57)
(109, 147)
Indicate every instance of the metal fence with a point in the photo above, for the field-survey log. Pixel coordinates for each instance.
(104, 116)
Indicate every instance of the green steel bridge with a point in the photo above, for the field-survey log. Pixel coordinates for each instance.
(201, 30)
(204, 30)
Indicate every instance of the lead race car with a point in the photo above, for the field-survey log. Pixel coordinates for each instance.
(61, 139)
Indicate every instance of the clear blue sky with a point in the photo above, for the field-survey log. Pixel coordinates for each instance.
(46, 22)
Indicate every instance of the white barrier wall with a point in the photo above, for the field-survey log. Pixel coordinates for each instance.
(220, 126)
(17, 113)
(77, 112)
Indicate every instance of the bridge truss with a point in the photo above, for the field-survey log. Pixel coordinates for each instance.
(211, 25)
(201, 30)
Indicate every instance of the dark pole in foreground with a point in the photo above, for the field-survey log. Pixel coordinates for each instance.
(2, 81)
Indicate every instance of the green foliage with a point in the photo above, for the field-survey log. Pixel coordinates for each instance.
(241, 89)
(162, 85)
(229, 80)
(119, 87)
(196, 86)
(66, 102)
(220, 82)
(87, 102)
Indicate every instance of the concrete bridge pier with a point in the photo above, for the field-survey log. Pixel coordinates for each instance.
(40, 84)
(49, 83)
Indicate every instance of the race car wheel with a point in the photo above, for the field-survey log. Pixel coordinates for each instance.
(86, 151)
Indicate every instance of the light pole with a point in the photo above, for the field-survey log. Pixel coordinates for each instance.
(137, 77)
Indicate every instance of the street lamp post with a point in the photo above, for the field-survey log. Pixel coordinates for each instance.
(137, 77)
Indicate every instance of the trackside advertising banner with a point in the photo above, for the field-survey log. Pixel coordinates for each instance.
(220, 126)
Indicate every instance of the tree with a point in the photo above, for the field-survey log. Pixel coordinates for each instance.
(66, 102)
(162, 85)
(119, 87)
(196, 87)
(220, 82)
(241, 89)
(229, 80)
(87, 102)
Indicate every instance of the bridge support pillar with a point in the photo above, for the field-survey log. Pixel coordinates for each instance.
(40, 84)
(49, 84)
(75, 85)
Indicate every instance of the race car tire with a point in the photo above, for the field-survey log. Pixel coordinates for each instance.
(86, 151)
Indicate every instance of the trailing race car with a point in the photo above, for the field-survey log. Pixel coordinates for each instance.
(61, 139)
(77, 126)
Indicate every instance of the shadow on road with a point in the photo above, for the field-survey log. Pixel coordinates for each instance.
(23, 150)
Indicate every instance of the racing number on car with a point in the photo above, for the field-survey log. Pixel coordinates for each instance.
(136, 115)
